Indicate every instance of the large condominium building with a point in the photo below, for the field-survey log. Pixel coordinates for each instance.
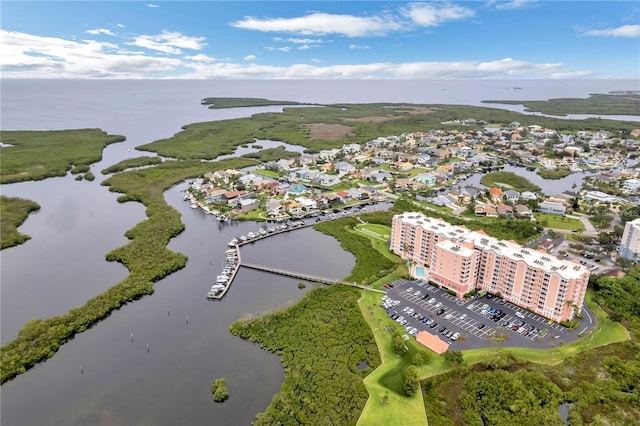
(630, 244)
(462, 260)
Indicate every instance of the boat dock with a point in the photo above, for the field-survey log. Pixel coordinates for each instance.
(217, 295)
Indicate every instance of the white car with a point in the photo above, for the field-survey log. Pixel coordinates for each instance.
(463, 316)
(438, 304)
(432, 301)
(448, 316)
(409, 289)
(417, 293)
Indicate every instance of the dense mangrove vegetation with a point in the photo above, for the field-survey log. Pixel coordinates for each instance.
(625, 104)
(219, 390)
(132, 163)
(219, 103)
(321, 342)
(508, 180)
(146, 257)
(370, 263)
(37, 155)
(333, 125)
(272, 154)
(13, 212)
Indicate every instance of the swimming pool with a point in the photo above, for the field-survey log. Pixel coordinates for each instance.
(420, 271)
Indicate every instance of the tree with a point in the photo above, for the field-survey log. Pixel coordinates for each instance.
(453, 357)
(219, 390)
(411, 382)
(397, 343)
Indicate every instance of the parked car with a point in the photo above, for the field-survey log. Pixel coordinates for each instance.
(481, 326)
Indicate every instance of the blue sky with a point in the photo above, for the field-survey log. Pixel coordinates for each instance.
(519, 39)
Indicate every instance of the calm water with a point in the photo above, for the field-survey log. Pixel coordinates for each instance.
(63, 265)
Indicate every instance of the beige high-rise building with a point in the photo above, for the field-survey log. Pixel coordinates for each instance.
(462, 260)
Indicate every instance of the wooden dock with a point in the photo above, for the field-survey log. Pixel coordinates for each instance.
(306, 277)
(220, 295)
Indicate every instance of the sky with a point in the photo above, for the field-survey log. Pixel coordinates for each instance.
(490, 39)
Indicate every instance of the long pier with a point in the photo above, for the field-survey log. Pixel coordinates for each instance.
(220, 295)
(306, 277)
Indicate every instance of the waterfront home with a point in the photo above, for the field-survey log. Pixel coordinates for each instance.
(292, 207)
(274, 208)
(357, 194)
(528, 196)
(369, 190)
(250, 179)
(307, 203)
(402, 166)
(297, 188)
(232, 197)
(248, 204)
(600, 197)
(333, 199)
(548, 163)
(344, 195)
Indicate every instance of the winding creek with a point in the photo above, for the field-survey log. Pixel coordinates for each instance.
(108, 374)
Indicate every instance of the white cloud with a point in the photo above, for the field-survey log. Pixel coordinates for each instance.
(100, 31)
(359, 46)
(324, 24)
(120, 25)
(298, 40)
(201, 58)
(280, 49)
(30, 56)
(169, 42)
(623, 31)
(514, 4)
(432, 15)
(151, 5)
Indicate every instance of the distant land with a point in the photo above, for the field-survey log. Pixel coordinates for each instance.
(618, 103)
(218, 103)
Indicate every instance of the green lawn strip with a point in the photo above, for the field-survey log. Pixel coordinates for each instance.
(37, 155)
(13, 212)
(397, 409)
(559, 222)
(264, 172)
(220, 103)
(146, 257)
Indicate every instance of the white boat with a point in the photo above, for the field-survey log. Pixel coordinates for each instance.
(217, 287)
(194, 206)
(251, 235)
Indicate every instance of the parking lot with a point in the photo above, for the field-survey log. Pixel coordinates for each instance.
(466, 324)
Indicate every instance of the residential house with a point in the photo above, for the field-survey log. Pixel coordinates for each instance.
(528, 196)
(552, 207)
(357, 194)
(333, 199)
(504, 210)
(344, 195)
(427, 179)
(232, 197)
(486, 210)
(307, 203)
(344, 168)
(326, 180)
(248, 204)
(403, 166)
(352, 148)
(292, 207)
(404, 184)
(496, 194)
(522, 210)
(512, 196)
(328, 154)
(369, 190)
(274, 208)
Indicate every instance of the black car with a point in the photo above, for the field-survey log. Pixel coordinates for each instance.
(441, 329)
(433, 325)
(481, 326)
(440, 311)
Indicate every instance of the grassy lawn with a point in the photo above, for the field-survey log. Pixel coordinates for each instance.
(263, 172)
(378, 232)
(559, 222)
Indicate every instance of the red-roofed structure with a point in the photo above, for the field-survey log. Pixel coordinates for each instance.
(432, 342)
